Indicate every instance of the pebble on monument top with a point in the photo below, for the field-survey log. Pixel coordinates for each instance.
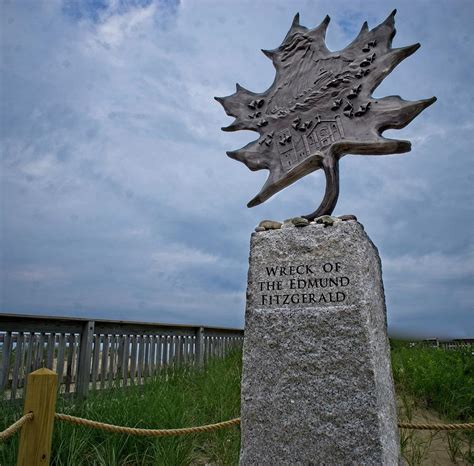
(326, 220)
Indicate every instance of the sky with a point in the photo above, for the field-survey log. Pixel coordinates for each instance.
(119, 202)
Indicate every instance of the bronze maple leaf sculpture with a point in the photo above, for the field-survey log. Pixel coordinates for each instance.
(320, 107)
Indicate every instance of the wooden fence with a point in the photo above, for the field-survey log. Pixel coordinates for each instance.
(90, 355)
(455, 345)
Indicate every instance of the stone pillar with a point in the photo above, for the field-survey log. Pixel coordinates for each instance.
(317, 386)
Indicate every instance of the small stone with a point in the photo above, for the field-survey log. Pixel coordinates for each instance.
(327, 220)
(270, 224)
(298, 221)
(257, 229)
(345, 218)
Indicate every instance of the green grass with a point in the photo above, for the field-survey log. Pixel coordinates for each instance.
(185, 399)
(441, 380)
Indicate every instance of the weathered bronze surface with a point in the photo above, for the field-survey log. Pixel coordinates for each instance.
(320, 107)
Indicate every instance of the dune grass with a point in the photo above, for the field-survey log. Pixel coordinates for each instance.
(441, 382)
(183, 398)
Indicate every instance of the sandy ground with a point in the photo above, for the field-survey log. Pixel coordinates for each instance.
(430, 448)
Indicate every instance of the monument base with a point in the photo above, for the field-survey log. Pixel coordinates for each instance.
(317, 386)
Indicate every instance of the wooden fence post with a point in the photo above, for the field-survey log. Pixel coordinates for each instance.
(200, 347)
(85, 352)
(37, 434)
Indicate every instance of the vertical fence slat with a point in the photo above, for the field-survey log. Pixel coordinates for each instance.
(75, 359)
(158, 353)
(112, 352)
(170, 351)
(29, 357)
(192, 349)
(146, 365)
(70, 355)
(35, 346)
(165, 351)
(34, 351)
(126, 350)
(60, 359)
(6, 352)
(172, 355)
(120, 348)
(95, 361)
(22, 372)
(84, 359)
(184, 350)
(199, 347)
(151, 369)
(133, 361)
(17, 364)
(179, 346)
(50, 346)
(39, 352)
(105, 354)
(153, 354)
(176, 355)
(140, 359)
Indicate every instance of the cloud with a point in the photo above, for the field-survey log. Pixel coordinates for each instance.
(176, 257)
(114, 168)
(432, 266)
(116, 28)
(34, 273)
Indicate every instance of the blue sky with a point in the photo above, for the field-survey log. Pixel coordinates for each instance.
(118, 200)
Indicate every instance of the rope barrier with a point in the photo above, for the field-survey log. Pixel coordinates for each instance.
(15, 427)
(407, 425)
(221, 425)
(144, 432)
